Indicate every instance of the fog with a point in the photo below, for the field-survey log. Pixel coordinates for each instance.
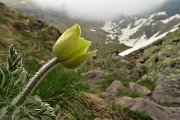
(99, 9)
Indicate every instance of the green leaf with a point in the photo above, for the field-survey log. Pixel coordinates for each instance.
(13, 78)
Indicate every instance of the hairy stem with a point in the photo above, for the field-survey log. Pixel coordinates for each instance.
(33, 82)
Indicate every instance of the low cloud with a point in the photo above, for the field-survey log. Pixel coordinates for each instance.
(99, 9)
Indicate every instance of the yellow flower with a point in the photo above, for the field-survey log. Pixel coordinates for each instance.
(71, 49)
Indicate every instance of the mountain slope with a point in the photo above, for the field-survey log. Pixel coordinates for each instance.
(59, 19)
(134, 30)
(31, 37)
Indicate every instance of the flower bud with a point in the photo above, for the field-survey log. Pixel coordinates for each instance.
(71, 49)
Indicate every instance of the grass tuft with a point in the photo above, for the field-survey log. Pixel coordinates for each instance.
(59, 84)
(128, 92)
(127, 113)
(148, 84)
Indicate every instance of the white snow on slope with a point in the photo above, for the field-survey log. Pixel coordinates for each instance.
(123, 34)
(127, 32)
(146, 43)
(163, 13)
(107, 26)
(120, 22)
(23, 2)
(93, 30)
(177, 16)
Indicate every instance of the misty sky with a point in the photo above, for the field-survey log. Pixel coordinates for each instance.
(99, 9)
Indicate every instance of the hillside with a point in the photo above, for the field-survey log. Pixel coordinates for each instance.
(59, 19)
(146, 80)
(33, 38)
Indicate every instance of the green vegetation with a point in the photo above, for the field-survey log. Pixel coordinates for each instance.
(106, 81)
(148, 84)
(59, 83)
(13, 78)
(128, 92)
(105, 50)
(61, 88)
(136, 115)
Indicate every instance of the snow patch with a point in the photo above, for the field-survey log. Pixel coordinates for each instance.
(111, 36)
(123, 34)
(107, 26)
(163, 13)
(140, 40)
(23, 2)
(120, 22)
(93, 30)
(146, 43)
(127, 32)
(177, 16)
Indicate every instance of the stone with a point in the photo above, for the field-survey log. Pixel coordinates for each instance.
(2, 4)
(114, 86)
(122, 73)
(140, 89)
(126, 101)
(147, 53)
(144, 77)
(94, 74)
(156, 111)
(122, 63)
(168, 90)
(175, 110)
(139, 70)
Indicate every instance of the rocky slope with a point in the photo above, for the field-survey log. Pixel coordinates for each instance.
(163, 62)
(146, 80)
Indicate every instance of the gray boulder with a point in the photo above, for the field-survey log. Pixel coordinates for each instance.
(94, 74)
(168, 90)
(114, 86)
(156, 111)
(140, 89)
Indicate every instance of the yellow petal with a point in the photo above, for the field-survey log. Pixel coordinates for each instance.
(77, 60)
(83, 46)
(67, 43)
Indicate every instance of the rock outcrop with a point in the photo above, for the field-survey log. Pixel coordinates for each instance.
(157, 112)
(140, 89)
